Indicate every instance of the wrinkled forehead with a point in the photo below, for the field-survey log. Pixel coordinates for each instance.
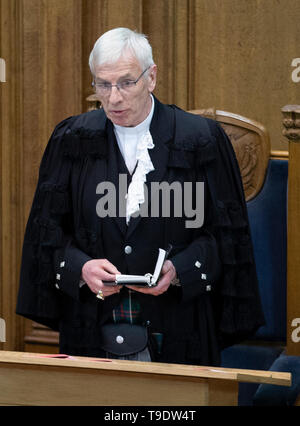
(126, 66)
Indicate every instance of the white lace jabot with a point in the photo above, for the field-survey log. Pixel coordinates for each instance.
(134, 143)
(135, 195)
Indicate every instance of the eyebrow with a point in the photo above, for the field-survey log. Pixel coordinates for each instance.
(123, 77)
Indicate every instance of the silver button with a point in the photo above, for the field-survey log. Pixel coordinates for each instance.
(128, 249)
(57, 286)
(58, 276)
(120, 339)
(203, 276)
(208, 288)
(62, 264)
(198, 264)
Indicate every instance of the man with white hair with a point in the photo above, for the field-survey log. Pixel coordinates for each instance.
(207, 295)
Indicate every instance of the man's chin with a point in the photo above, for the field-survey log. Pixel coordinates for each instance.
(120, 118)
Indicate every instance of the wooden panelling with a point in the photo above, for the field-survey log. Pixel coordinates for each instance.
(241, 53)
(41, 339)
(11, 156)
(166, 24)
(52, 77)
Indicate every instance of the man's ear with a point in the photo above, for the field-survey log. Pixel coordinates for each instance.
(152, 77)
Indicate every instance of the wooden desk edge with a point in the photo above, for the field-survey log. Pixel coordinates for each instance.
(195, 371)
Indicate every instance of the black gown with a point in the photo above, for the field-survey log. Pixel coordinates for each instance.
(216, 305)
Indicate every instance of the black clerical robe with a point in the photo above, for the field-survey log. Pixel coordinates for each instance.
(217, 302)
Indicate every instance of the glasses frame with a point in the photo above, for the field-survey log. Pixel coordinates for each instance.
(109, 87)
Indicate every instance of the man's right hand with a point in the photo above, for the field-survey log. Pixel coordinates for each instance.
(95, 271)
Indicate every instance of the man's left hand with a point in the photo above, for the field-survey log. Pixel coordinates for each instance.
(168, 273)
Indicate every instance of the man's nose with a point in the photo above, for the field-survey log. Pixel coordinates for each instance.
(115, 95)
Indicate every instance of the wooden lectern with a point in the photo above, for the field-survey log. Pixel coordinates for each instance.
(41, 379)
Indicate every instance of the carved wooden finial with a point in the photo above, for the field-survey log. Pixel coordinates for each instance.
(291, 122)
(93, 102)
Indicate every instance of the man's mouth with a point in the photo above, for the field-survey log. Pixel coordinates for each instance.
(118, 112)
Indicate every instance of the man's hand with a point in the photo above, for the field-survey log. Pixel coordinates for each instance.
(95, 271)
(168, 273)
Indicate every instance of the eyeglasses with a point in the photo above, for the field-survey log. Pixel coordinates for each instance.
(124, 86)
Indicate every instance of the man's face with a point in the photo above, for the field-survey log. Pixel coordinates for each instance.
(126, 108)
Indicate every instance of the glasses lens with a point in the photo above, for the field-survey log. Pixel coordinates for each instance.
(126, 86)
(104, 89)
(101, 89)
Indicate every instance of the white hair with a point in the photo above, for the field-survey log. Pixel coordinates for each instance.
(114, 43)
